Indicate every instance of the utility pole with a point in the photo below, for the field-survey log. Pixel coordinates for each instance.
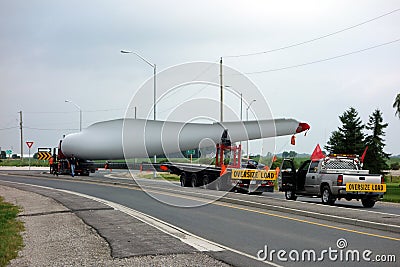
(22, 138)
(222, 92)
(247, 119)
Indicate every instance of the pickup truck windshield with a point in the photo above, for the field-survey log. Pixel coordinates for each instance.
(339, 164)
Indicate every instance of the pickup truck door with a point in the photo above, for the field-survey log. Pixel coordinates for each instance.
(287, 175)
(301, 176)
(312, 178)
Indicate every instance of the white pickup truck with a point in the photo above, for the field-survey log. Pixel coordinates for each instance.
(331, 178)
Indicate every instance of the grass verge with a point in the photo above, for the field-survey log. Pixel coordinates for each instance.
(10, 232)
(392, 192)
(160, 175)
(24, 162)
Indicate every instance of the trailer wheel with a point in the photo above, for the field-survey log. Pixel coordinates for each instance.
(183, 179)
(326, 196)
(290, 195)
(368, 202)
(193, 180)
(205, 181)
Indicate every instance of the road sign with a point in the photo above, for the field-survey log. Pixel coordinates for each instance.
(191, 152)
(29, 144)
(44, 155)
(44, 149)
(8, 151)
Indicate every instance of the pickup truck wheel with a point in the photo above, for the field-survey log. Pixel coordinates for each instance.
(368, 203)
(290, 195)
(326, 196)
(193, 180)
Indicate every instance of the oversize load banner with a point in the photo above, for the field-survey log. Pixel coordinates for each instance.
(253, 174)
(359, 187)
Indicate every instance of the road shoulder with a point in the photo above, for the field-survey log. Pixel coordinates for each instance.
(56, 236)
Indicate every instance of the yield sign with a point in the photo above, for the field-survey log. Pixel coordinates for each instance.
(29, 144)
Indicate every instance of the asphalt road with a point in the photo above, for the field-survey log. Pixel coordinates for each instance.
(242, 228)
(383, 207)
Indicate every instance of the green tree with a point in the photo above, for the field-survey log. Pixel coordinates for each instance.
(375, 158)
(348, 139)
(396, 105)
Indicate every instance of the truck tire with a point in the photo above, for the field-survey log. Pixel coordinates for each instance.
(326, 196)
(290, 195)
(205, 181)
(184, 179)
(368, 202)
(193, 180)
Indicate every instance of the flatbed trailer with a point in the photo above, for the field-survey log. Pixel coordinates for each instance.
(229, 179)
(226, 174)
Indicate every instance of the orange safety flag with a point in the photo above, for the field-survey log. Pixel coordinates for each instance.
(266, 168)
(223, 169)
(277, 170)
(293, 140)
(317, 154)
(274, 158)
(363, 155)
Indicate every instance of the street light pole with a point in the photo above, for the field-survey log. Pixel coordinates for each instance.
(154, 88)
(154, 66)
(247, 119)
(80, 113)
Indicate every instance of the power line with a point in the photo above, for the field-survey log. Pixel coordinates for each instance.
(65, 112)
(8, 128)
(314, 39)
(49, 129)
(322, 60)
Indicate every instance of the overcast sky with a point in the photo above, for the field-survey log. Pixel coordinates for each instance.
(51, 51)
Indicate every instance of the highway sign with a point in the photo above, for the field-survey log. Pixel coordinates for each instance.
(191, 152)
(29, 144)
(8, 151)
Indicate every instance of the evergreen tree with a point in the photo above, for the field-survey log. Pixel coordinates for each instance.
(348, 139)
(335, 143)
(375, 158)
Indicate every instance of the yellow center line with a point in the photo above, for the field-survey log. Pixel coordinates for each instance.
(274, 215)
(245, 209)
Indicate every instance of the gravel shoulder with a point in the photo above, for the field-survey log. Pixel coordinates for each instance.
(56, 236)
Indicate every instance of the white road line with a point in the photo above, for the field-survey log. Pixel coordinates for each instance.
(193, 240)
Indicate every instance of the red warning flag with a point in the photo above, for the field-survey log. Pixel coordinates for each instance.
(317, 154)
(363, 155)
(293, 140)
